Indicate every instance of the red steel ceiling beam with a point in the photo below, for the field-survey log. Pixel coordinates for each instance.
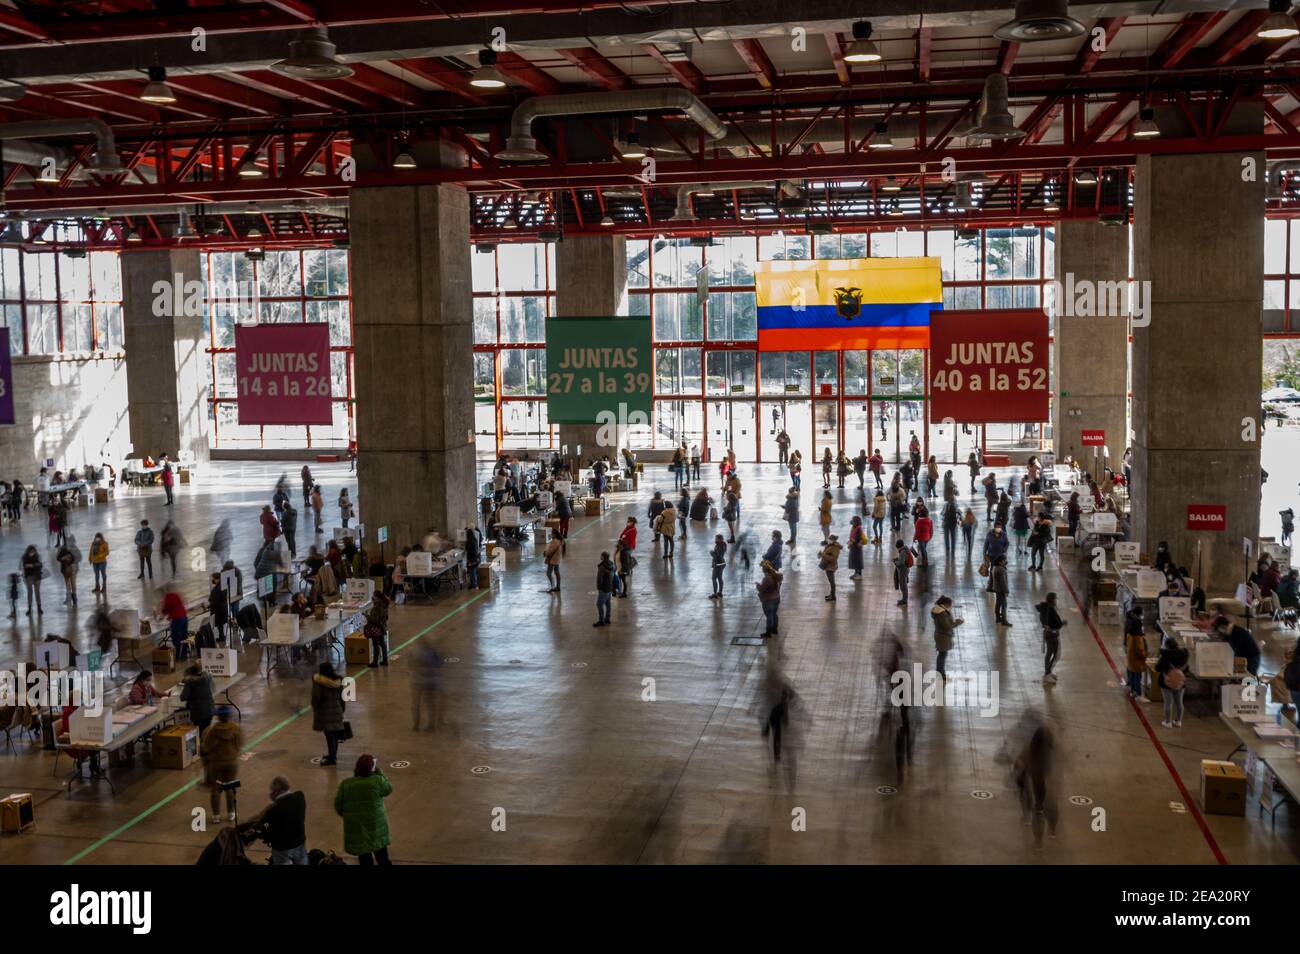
(333, 97)
(17, 23)
(687, 73)
(835, 44)
(1238, 37)
(445, 77)
(924, 40)
(756, 60)
(594, 63)
(1087, 56)
(375, 80)
(130, 91)
(62, 101)
(1184, 37)
(1007, 56)
(526, 74)
(295, 8)
(222, 90)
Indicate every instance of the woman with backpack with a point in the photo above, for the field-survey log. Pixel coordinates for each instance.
(897, 504)
(924, 532)
(1020, 526)
(552, 557)
(878, 506)
(951, 520)
(856, 539)
(829, 561)
(903, 561)
(1172, 672)
(1039, 540)
(1052, 623)
(731, 514)
(843, 467)
(944, 625)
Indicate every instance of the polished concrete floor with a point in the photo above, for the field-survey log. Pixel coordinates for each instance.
(550, 726)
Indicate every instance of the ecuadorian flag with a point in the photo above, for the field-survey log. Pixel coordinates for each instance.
(847, 304)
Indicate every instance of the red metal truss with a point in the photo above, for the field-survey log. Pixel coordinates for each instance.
(1238, 37)
(756, 59)
(1184, 37)
(687, 73)
(835, 43)
(594, 63)
(1007, 56)
(1088, 54)
(526, 74)
(924, 40)
(446, 77)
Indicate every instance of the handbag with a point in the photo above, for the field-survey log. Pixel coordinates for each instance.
(347, 731)
(984, 568)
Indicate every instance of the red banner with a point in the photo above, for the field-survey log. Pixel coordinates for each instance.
(1093, 438)
(283, 374)
(1207, 517)
(989, 367)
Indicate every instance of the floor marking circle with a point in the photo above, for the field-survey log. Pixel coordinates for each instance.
(480, 769)
(1177, 807)
(886, 790)
(981, 794)
(452, 659)
(578, 665)
(516, 662)
(1080, 800)
(399, 764)
(316, 760)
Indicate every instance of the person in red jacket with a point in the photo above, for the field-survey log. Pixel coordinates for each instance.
(168, 478)
(173, 607)
(628, 536)
(270, 525)
(924, 531)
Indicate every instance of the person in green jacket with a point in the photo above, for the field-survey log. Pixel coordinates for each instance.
(360, 803)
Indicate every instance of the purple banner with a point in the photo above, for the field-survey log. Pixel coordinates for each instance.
(6, 380)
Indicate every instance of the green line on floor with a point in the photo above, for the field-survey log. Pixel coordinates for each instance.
(167, 799)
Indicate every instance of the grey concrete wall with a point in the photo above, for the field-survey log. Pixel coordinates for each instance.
(1091, 353)
(167, 368)
(590, 281)
(412, 314)
(1199, 239)
(71, 409)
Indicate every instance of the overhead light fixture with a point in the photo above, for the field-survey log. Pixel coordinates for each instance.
(747, 215)
(704, 192)
(75, 251)
(248, 167)
(484, 248)
(157, 90)
(1050, 204)
(487, 76)
(963, 199)
(1085, 177)
(1113, 219)
(1145, 127)
(550, 236)
(342, 243)
(510, 223)
(255, 255)
(701, 241)
(891, 185)
(994, 120)
(1037, 20)
(253, 231)
(1280, 25)
(404, 159)
(968, 234)
(632, 149)
(132, 235)
(880, 137)
(863, 49)
(184, 228)
(312, 57)
(819, 228)
(49, 174)
(895, 209)
(606, 220)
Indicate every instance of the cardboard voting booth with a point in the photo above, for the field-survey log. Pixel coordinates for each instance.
(419, 563)
(1149, 583)
(1244, 698)
(220, 661)
(508, 516)
(91, 729)
(1127, 551)
(564, 487)
(357, 532)
(545, 500)
(360, 590)
(1175, 607)
(282, 628)
(1103, 522)
(1108, 613)
(1213, 658)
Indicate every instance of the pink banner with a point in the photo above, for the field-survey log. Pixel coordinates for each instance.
(283, 374)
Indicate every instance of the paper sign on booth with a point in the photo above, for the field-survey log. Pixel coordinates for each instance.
(283, 374)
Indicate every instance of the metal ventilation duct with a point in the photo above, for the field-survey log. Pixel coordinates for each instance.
(106, 161)
(522, 147)
(685, 191)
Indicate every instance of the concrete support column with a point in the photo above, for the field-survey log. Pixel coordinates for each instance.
(1091, 347)
(1199, 241)
(167, 370)
(412, 321)
(590, 281)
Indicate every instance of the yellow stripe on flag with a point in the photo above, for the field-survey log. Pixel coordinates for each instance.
(881, 281)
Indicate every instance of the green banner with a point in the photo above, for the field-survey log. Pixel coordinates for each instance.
(598, 366)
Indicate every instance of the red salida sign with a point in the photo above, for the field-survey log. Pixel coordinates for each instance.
(1093, 438)
(989, 366)
(1207, 517)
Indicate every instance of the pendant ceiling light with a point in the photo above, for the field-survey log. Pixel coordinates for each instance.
(1037, 20)
(863, 49)
(1280, 25)
(312, 57)
(487, 76)
(157, 90)
(994, 120)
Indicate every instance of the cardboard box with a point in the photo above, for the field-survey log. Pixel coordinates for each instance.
(1149, 583)
(176, 746)
(594, 506)
(1213, 658)
(1223, 788)
(1152, 687)
(1108, 613)
(164, 659)
(220, 661)
(356, 650)
(540, 536)
(17, 812)
(103, 494)
(553, 523)
(485, 574)
(491, 548)
(183, 475)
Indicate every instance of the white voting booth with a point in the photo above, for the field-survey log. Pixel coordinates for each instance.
(360, 590)
(564, 487)
(1175, 608)
(1127, 551)
(91, 729)
(220, 661)
(419, 563)
(53, 655)
(356, 532)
